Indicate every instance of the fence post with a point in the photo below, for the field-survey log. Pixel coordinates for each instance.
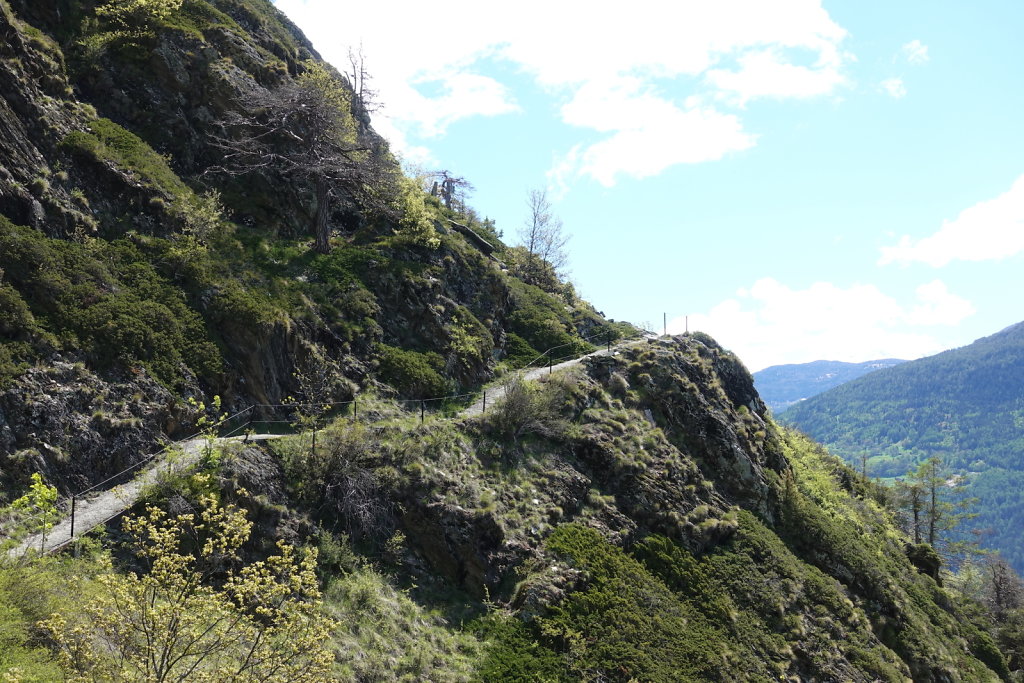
(355, 408)
(609, 341)
(485, 402)
(72, 518)
(423, 410)
(549, 362)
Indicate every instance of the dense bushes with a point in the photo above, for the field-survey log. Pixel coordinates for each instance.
(105, 302)
(543, 323)
(414, 374)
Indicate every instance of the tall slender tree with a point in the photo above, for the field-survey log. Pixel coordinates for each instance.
(935, 499)
(543, 239)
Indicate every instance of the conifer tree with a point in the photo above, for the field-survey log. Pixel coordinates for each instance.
(937, 506)
(305, 129)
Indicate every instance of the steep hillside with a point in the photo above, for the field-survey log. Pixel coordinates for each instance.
(635, 517)
(783, 385)
(643, 519)
(965, 406)
(139, 268)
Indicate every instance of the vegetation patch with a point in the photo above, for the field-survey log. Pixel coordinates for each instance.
(108, 142)
(104, 301)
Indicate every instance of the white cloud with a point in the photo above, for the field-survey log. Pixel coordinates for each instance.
(772, 324)
(915, 52)
(465, 94)
(766, 73)
(988, 231)
(648, 62)
(895, 87)
(937, 306)
(647, 133)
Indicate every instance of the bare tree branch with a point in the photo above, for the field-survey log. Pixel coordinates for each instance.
(304, 129)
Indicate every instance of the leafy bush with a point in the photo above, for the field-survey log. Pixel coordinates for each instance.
(543, 322)
(413, 374)
(137, 13)
(625, 624)
(518, 352)
(513, 652)
(261, 621)
(417, 217)
(526, 409)
(105, 301)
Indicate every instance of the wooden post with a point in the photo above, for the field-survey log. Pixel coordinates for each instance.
(355, 408)
(423, 410)
(549, 362)
(72, 518)
(485, 402)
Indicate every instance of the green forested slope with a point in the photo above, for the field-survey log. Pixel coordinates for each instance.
(783, 385)
(965, 406)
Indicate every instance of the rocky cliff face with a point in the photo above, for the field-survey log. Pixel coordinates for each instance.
(106, 151)
(660, 460)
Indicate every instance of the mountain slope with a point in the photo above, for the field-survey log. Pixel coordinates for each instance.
(134, 276)
(783, 385)
(645, 520)
(965, 406)
(639, 517)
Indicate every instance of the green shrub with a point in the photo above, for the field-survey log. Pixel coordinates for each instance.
(513, 652)
(109, 142)
(344, 265)
(102, 300)
(625, 624)
(518, 352)
(413, 374)
(526, 408)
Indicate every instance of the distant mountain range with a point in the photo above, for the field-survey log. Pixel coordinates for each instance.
(780, 386)
(965, 405)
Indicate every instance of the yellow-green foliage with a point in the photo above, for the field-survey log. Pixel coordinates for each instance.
(262, 622)
(33, 512)
(336, 101)
(417, 217)
(469, 339)
(133, 14)
(200, 215)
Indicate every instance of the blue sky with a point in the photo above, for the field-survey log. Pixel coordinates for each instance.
(805, 180)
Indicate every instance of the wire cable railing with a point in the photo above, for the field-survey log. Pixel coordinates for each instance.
(15, 528)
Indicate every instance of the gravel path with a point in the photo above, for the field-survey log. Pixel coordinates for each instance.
(104, 506)
(496, 393)
(92, 512)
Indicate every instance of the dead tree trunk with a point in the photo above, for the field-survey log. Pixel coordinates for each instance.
(323, 212)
